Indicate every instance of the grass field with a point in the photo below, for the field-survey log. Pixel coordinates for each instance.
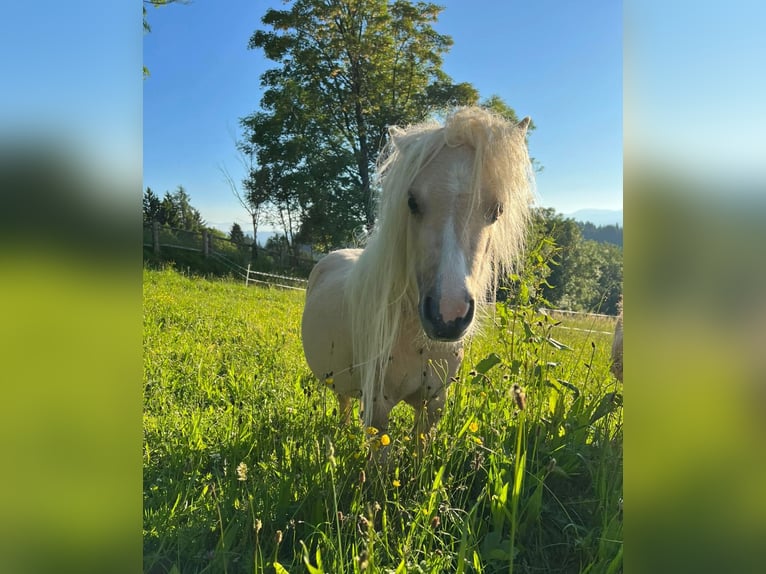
(246, 468)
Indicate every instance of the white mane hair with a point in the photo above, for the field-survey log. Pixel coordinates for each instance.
(382, 289)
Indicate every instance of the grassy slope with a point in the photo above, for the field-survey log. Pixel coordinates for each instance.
(245, 464)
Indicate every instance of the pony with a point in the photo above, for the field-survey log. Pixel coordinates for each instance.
(387, 323)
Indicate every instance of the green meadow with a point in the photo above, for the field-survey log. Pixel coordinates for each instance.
(248, 469)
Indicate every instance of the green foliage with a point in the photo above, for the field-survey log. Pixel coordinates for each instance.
(175, 210)
(236, 234)
(346, 71)
(152, 206)
(603, 233)
(595, 278)
(580, 274)
(246, 467)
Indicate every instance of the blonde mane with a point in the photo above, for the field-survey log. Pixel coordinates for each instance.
(382, 290)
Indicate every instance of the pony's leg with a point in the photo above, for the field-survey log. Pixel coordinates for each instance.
(345, 408)
(381, 410)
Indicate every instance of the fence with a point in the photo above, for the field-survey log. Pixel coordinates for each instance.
(235, 257)
(259, 277)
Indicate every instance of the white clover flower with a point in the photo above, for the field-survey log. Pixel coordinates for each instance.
(242, 471)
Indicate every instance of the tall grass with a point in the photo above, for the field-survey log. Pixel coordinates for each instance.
(247, 469)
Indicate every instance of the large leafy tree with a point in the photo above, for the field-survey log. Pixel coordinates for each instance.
(346, 70)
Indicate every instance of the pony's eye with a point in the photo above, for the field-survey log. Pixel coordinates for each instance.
(496, 212)
(413, 205)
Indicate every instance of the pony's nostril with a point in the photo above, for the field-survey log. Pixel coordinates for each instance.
(466, 319)
(469, 315)
(430, 309)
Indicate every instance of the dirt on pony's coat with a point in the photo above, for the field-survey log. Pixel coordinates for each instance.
(386, 324)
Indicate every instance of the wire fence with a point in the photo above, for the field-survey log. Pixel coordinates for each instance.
(237, 258)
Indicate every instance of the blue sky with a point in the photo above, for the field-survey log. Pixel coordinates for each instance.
(559, 62)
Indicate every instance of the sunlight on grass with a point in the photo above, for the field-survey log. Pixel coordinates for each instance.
(247, 467)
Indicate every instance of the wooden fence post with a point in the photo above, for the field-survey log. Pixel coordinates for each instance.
(205, 243)
(247, 277)
(156, 236)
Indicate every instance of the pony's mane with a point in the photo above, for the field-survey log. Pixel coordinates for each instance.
(382, 289)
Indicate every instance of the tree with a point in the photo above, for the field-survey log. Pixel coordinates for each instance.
(347, 70)
(188, 218)
(168, 213)
(580, 274)
(236, 234)
(604, 233)
(595, 280)
(175, 210)
(253, 199)
(565, 235)
(152, 206)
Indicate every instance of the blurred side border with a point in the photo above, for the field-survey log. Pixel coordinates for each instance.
(695, 287)
(70, 262)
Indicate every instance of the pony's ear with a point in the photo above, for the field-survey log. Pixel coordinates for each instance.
(523, 125)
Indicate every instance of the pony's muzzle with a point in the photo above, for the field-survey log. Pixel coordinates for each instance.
(444, 321)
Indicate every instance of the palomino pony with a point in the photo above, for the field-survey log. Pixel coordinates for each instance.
(386, 324)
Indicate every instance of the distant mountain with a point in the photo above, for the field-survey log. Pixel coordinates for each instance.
(597, 217)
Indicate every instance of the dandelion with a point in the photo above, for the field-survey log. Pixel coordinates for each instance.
(396, 483)
(241, 472)
(385, 440)
(477, 440)
(372, 431)
(473, 427)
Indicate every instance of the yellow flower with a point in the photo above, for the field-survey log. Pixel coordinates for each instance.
(477, 440)
(385, 440)
(372, 431)
(329, 380)
(473, 427)
(396, 483)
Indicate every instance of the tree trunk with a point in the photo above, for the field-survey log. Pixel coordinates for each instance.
(254, 254)
(364, 166)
